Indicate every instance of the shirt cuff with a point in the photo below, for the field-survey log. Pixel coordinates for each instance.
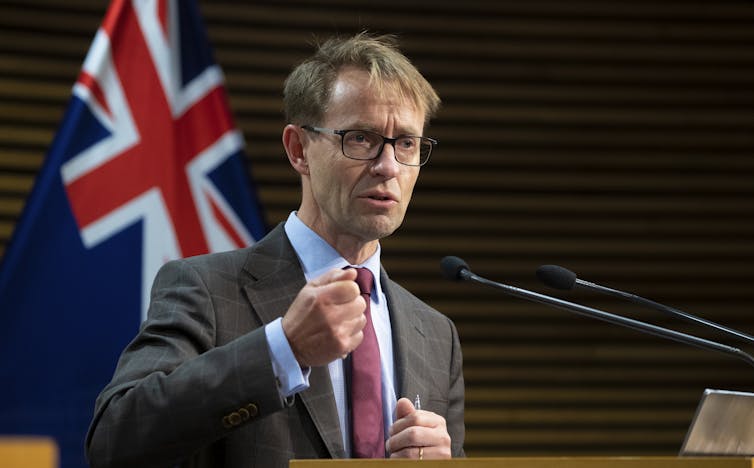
(289, 375)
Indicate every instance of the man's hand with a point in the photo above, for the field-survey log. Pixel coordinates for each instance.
(417, 433)
(326, 319)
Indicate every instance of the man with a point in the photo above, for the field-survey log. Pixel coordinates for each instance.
(261, 355)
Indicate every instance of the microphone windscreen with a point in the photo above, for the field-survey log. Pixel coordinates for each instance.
(452, 267)
(556, 276)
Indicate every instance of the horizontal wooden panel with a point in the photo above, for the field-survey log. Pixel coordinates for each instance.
(29, 92)
(16, 183)
(521, 396)
(594, 437)
(20, 160)
(545, 416)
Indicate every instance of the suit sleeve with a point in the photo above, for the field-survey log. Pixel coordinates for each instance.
(175, 390)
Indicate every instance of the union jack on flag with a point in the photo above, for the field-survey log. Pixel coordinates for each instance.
(146, 166)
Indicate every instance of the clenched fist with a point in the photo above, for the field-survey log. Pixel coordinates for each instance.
(326, 319)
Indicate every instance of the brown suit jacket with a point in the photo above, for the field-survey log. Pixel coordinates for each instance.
(196, 386)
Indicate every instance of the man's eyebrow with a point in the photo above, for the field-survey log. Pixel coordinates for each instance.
(365, 126)
(362, 126)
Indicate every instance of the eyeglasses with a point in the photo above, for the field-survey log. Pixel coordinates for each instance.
(364, 145)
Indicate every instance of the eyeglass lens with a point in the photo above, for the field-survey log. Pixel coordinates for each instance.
(362, 144)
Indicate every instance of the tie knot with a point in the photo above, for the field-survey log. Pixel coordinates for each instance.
(364, 279)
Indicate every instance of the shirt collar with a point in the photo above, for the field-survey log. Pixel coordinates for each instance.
(318, 257)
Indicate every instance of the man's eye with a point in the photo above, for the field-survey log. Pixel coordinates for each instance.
(407, 143)
(360, 138)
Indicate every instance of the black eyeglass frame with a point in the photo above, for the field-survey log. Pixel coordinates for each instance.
(385, 139)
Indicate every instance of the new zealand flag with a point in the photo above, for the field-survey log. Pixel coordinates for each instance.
(145, 167)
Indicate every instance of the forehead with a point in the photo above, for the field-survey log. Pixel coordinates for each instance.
(355, 98)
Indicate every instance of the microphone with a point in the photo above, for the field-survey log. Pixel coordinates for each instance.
(456, 269)
(558, 277)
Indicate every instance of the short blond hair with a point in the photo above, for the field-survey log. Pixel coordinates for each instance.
(308, 88)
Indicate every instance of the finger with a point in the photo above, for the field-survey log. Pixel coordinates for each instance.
(336, 274)
(435, 440)
(354, 342)
(347, 327)
(403, 408)
(401, 425)
(417, 418)
(342, 292)
(413, 452)
(413, 436)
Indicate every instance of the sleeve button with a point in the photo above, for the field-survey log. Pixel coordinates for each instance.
(234, 418)
(226, 422)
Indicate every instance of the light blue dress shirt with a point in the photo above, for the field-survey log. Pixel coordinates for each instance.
(317, 257)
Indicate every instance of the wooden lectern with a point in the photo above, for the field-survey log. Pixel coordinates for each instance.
(538, 462)
(28, 452)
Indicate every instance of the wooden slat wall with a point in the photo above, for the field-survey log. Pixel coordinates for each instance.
(615, 138)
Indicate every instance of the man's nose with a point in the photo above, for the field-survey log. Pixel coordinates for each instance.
(386, 164)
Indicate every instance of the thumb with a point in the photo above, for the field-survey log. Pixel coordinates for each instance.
(403, 408)
(334, 275)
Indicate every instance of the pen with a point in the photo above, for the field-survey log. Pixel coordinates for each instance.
(418, 406)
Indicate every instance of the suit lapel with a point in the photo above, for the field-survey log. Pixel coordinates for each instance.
(275, 279)
(320, 403)
(409, 345)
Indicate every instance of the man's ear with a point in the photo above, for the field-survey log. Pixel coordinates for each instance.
(293, 142)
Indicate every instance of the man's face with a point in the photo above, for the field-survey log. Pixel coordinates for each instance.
(359, 200)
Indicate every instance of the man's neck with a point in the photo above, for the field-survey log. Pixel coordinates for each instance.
(354, 249)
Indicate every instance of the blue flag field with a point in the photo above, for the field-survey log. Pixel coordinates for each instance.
(146, 166)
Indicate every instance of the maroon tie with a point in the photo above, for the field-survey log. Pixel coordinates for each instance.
(367, 429)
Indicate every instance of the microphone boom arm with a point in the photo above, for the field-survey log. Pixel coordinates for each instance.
(655, 330)
(665, 309)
